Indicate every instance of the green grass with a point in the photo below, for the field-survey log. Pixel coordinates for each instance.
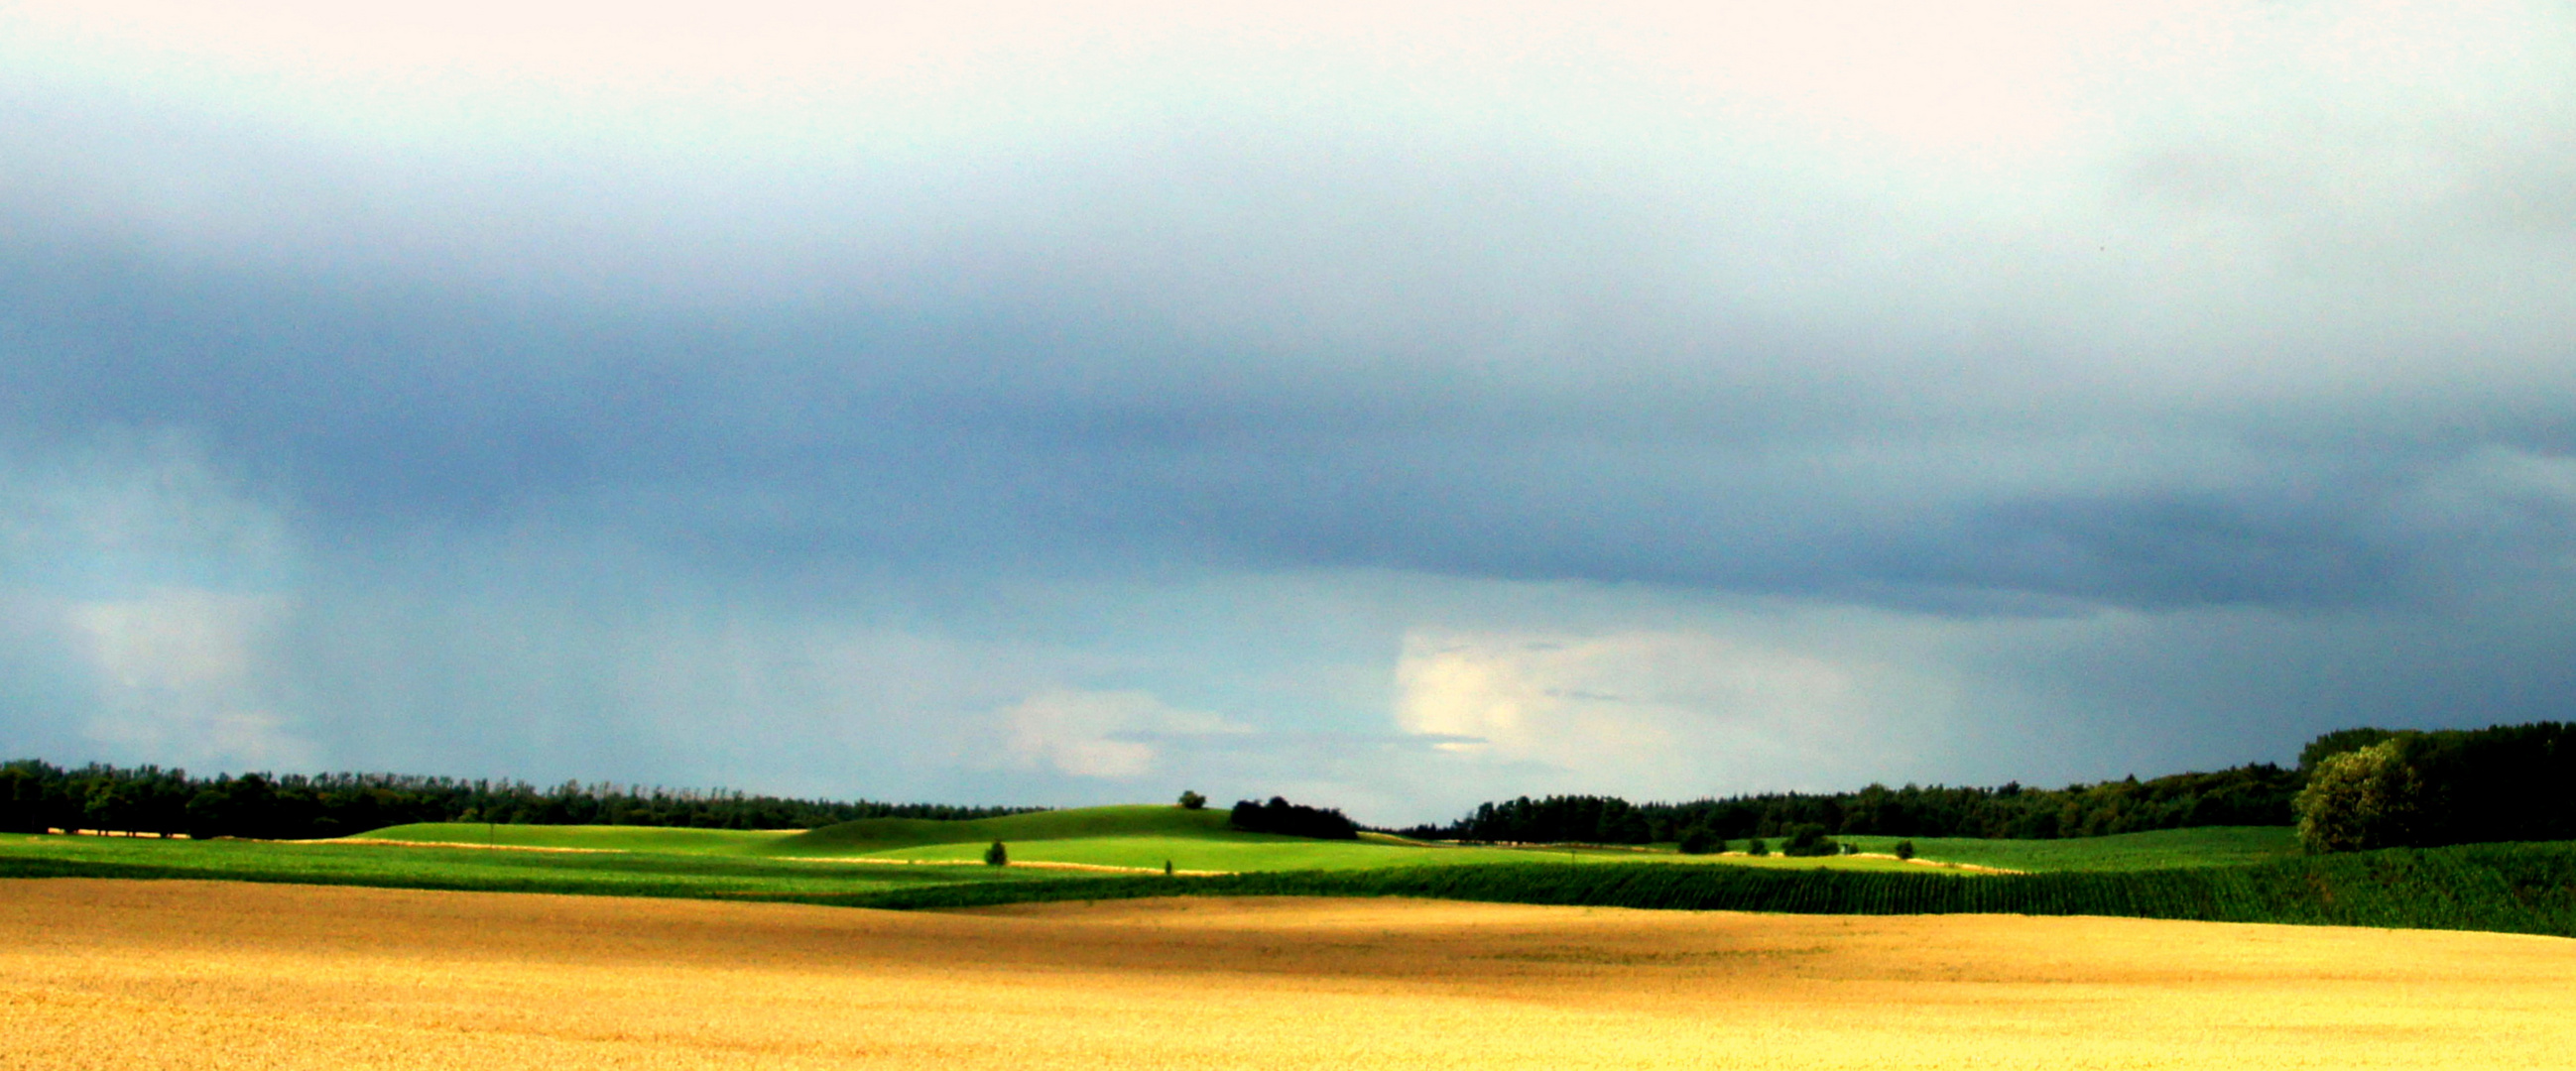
(1144, 836)
(1143, 820)
(1256, 852)
(2162, 849)
(678, 841)
(588, 873)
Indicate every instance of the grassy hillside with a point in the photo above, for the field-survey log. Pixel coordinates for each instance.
(397, 866)
(1142, 820)
(1146, 836)
(1140, 837)
(679, 841)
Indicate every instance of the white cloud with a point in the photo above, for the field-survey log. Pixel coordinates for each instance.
(1110, 734)
(1666, 712)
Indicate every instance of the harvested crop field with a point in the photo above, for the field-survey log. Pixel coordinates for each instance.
(204, 975)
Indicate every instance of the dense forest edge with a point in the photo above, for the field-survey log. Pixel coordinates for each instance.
(2352, 790)
(36, 796)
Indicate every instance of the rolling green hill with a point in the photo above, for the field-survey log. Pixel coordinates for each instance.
(662, 839)
(1134, 837)
(1146, 836)
(595, 873)
(869, 835)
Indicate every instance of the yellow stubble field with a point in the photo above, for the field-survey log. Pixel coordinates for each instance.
(103, 974)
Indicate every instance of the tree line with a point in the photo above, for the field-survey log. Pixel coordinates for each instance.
(2253, 795)
(1292, 819)
(2381, 788)
(36, 796)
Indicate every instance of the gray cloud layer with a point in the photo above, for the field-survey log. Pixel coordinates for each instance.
(890, 409)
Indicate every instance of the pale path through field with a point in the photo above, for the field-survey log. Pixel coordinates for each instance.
(205, 975)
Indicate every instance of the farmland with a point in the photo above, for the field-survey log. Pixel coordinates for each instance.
(2162, 849)
(596, 873)
(1131, 837)
(208, 975)
(1144, 837)
(2528, 888)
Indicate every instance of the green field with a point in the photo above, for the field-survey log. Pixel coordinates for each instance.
(2162, 849)
(2515, 888)
(587, 838)
(611, 873)
(2221, 874)
(1137, 837)
(1267, 853)
(1080, 823)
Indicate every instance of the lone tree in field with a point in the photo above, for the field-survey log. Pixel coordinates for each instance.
(1697, 840)
(1905, 849)
(1191, 801)
(997, 855)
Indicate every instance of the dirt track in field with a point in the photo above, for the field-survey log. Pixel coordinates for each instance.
(98, 974)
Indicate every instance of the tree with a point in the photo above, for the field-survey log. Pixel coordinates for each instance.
(997, 855)
(1808, 838)
(2339, 742)
(1191, 801)
(1756, 847)
(1905, 849)
(1697, 840)
(1290, 819)
(22, 801)
(2360, 799)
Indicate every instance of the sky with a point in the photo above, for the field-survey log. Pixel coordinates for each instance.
(1389, 406)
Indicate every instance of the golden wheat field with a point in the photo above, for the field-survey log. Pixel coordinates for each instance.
(101, 974)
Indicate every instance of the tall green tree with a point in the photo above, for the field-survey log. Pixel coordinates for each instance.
(2369, 797)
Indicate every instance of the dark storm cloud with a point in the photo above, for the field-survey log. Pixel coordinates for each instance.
(1002, 426)
(2214, 330)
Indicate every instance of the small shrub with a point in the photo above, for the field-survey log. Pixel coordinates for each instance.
(1756, 847)
(1905, 849)
(1191, 801)
(997, 855)
(1698, 840)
